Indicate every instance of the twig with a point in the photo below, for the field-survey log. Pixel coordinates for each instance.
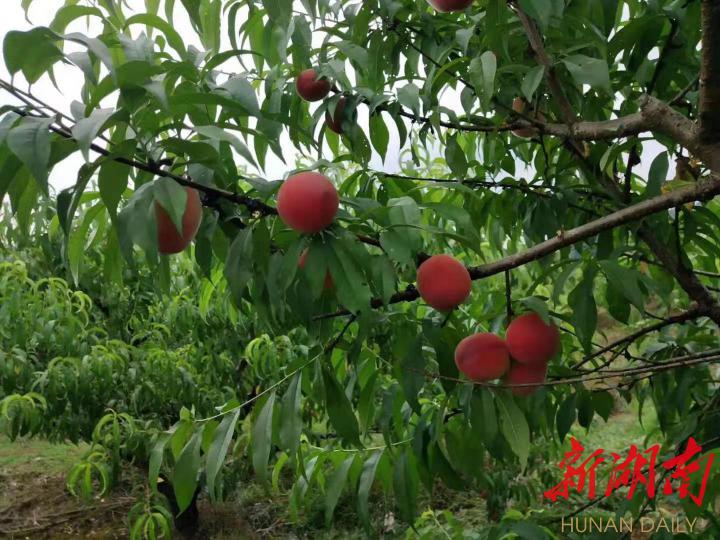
(675, 319)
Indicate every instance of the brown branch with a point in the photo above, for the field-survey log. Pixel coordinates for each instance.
(536, 43)
(630, 338)
(710, 76)
(690, 360)
(662, 118)
(701, 190)
(254, 205)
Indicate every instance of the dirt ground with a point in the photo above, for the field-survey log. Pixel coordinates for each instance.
(35, 504)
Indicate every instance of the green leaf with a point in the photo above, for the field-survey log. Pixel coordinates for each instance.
(279, 11)
(455, 157)
(657, 175)
(540, 10)
(584, 310)
(405, 485)
(238, 264)
(625, 280)
(603, 403)
(112, 182)
(218, 450)
(565, 416)
(412, 373)
(409, 96)
(219, 134)
(367, 477)
(483, 417)
(173, 198)
(514, 427)
(587, 70)
(290, 417)
(242, 91)
(335, 486)
(30, 141)
(156, 459)
(185, 474)
(586, 410)
(379, 134)
(339, 409)
(173, 38)
(487, 68)
(67, 14)
(85, 130)
(33, 52)
(77, 239)
(262, 439)
(531, 81)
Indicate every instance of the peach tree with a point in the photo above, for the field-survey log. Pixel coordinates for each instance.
(552, 163)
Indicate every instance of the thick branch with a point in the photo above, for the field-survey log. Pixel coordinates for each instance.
(543, 59)
(702, 190)
(710, 74)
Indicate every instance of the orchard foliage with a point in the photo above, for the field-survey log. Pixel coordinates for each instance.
(519, 127)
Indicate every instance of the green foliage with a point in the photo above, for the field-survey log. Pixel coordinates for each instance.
(230, 354)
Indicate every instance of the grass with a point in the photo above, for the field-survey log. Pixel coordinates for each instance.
(34, 456)
(252, 512)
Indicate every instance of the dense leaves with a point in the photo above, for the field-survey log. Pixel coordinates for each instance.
(232, 350)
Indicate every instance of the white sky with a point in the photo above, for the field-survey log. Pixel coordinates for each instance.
(70, 81)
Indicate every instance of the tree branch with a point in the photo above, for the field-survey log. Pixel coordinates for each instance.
(710, 75)
(630, 338)
(701, 190)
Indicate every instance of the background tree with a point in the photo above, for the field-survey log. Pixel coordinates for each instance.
(520, 123)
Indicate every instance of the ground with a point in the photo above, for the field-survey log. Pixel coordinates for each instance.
(35, 504)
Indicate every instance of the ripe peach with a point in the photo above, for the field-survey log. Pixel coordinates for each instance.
(524, 374)
(531, 341)
(329, 283)
(309, 87)
(170, 240)
(443, 282)
(446, 6)
(334, 122)
(307, 202)
(482, 357)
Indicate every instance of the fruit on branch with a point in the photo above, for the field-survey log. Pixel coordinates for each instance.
(482, 357)
(310, 87)
(531, 341)
(170, 240)
(307, 202)
(524, 374)
(443, 282)
(447, 6)
(519, 105)
(329, 283)
(334, 122)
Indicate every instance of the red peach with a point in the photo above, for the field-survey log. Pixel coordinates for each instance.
(310, 88)
(307, 202)
(447, 6)
(524, 374)
(531, 340)
(334, 122)
(170, 240)
(443, 282)
(482, 357)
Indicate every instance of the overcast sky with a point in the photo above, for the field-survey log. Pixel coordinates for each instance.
(70, 81)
